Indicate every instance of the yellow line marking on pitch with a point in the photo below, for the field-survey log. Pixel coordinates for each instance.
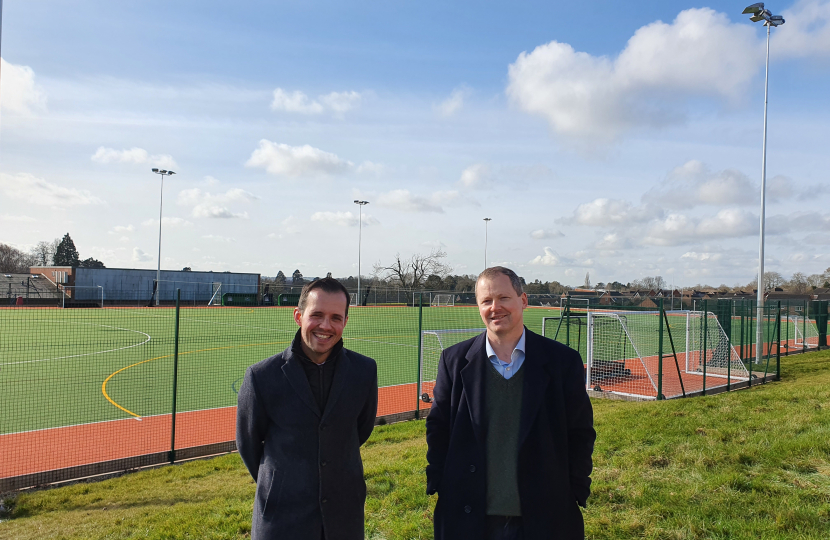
(138, 417)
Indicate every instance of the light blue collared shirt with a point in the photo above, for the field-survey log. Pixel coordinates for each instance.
(507, 369)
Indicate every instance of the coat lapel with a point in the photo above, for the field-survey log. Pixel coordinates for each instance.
(341, 376)
(472, 375)
(536, 380)
(299, 382)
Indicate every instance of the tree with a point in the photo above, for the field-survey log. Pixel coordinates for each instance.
(94, 263)
(297, 277)
(587, 284)
(14, 261)
(44, 252)
(411, 273)
(279, 281)
(66, 254)
(771, 281)
(798, 283)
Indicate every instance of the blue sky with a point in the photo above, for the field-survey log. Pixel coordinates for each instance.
(618, 142)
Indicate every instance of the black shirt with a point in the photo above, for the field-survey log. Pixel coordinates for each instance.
(319, 376)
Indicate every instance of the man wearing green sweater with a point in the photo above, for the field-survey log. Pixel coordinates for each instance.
(510, 432)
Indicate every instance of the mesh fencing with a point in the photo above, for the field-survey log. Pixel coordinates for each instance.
(91, 391)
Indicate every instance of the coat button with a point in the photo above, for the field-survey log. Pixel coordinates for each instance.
(472, 468)
(468, 509)
(322, 463)
(324, 501)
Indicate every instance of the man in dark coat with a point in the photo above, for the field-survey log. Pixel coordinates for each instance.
(510, 433)
(302, 417)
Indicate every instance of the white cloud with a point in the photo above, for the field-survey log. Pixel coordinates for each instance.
(288, 227)
(299, 102)
(613, 241)
(18, 91)
(550, 258)
(702, 256)
(477, 176)
(28, 188)
(677, 229)
(693, 183)
(368, 167)
(541, 234)
(455, 102)
(20, 219)
(209, 205)
(402, 199)
(341, 102)
(605, 212)
(806, 32)
(133, 155)
(344, 219)
(296, 161)
(140, 256)
(596, 99)
(210, 181)
(120, 229)
(167, 222)
(217, 238)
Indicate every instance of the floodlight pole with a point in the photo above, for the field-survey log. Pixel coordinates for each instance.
(486, 222)
(360, 205)
(759, 332)
(162, 173)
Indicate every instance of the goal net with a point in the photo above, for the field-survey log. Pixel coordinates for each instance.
(433, 343)
(442, 300)
(79, 296)
(623, 354)
(216, 294)
(352, 299)
(806, 332)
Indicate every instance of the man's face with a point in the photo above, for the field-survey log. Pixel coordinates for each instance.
(321, 323)
(499, 305)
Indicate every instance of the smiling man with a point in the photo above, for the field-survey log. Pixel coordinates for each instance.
(510, 433)
(303, 415)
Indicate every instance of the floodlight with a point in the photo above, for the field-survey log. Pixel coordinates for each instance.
(757, 18)
(155, 170)
(776, 20)
(754, 9)
(170, 172)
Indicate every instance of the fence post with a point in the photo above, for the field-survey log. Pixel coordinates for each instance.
(705, 338)
(660, 355)
(175, 379)
(778, 354)
(729, 352)
(568, 321)
(742, 328)
(787, 316)
(420, 353)
(804, 329)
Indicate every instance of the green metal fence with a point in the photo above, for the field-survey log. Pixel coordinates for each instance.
(89, 391)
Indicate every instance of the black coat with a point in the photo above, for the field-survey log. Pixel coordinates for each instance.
(306, 462)
(556, 440)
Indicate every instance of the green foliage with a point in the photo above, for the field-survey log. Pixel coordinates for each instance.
(93, 263)
(748, 464)
(66, 254)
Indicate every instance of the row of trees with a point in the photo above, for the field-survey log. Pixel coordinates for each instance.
(58, 252)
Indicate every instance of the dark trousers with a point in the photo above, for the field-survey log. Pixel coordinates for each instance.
(503, 528)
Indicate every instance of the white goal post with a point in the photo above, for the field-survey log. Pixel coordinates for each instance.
(82, 296)
(433, 343)
(806, 331)
(442, 300)
(623, 353)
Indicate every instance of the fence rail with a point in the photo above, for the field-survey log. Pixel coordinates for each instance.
(92, 391)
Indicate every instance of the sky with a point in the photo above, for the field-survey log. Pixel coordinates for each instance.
(599, 139)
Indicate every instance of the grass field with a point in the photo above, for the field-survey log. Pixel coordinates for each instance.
(743, 465)
(73, 381)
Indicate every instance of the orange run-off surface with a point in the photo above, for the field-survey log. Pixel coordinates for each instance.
(57, 448)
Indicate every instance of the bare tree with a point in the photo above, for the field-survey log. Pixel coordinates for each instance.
(771, 281)
(14, 261)
(798, 283)
(412, 273)
(43, 253)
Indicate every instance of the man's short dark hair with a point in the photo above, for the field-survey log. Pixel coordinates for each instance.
(326, 284)
(496, 271)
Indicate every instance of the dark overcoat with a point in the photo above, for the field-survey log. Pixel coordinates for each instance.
(306, 462)
(556, 440)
